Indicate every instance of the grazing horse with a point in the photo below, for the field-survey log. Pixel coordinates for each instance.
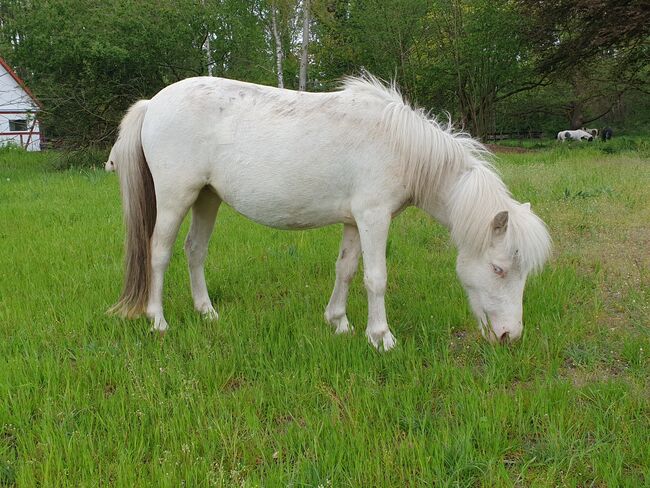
(296, 160)
(576, 135)
(606, 134)
(593, 132)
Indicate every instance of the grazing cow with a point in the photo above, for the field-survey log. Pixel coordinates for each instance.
(577, 135)
(606, 134)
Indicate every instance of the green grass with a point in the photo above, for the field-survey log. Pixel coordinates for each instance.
(623, 144)
(269, 396)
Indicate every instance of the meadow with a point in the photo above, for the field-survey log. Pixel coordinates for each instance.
(269, 396)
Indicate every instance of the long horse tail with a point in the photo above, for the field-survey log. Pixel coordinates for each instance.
(139, 206)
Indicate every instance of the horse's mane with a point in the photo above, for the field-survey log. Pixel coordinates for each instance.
(430, 151)
(476, 198)
(437, 161)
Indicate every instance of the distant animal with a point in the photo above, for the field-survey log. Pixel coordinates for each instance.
(593, 132)
(296, 160)
(576, 135)
(607, 134)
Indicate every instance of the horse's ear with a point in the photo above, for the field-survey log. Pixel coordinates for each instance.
(526, 205)
(500, 223)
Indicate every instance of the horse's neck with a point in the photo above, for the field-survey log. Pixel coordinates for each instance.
(439, 204)
(438, 208)
(467, 202)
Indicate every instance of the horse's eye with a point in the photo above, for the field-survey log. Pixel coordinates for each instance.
(497, 270)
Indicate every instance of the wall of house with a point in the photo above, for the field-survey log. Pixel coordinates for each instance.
(16, 104)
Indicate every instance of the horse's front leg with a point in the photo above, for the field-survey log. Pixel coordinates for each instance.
(373, 231)
(346, 267)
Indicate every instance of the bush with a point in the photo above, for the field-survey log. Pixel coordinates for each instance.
(87, 158)
(13, 157)
(626, 143)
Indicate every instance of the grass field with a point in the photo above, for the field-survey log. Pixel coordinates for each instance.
(269, 396)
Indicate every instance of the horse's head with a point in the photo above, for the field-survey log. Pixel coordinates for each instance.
(584, 135)
(494, 279)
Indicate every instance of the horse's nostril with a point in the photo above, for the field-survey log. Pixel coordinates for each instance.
(505, 337)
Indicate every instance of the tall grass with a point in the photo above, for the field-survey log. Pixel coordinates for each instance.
(617, 145)
(269, 396)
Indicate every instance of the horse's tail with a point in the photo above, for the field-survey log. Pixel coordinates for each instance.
(139, 206)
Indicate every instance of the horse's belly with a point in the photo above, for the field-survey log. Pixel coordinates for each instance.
(283, 216)
(284, 201)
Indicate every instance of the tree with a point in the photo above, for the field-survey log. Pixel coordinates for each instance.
(596, 52)
(493, 64)
(304, 51)
(278, 44)
(380, 36)
(569, 33)
(89, 62)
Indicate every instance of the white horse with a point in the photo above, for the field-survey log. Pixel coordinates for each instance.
(296, 160)
(576, 135)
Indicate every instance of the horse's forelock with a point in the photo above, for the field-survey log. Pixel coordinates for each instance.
(478, 196)
(528, 239)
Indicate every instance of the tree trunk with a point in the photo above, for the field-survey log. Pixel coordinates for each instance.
(206, 48)
(576, 119)
(302, 85)
(278, 45)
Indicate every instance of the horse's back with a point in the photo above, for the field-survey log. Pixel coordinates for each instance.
(283, 158)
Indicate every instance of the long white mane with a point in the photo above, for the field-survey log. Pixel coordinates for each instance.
(438, 161)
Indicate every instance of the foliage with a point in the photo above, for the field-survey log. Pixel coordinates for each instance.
(493, 65)
(89, 61)
(570, 32)
(89, 157)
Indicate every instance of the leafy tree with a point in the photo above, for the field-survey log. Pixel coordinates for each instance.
(595, 51)
(89, 61)
(493, 64)
(569, 33)
(380, 36)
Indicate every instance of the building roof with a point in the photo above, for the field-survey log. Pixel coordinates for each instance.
(20, 82)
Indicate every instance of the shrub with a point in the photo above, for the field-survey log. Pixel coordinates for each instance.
(88, 158)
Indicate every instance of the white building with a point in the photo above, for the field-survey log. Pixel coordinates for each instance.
(18, 110)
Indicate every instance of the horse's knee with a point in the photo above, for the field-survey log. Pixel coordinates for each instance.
(188, 246)
(346, 267)
(194, 252)
(191, 251)
(375, 282)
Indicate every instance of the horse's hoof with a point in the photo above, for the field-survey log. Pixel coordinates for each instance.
(159, 327)
(341, 323)
(210, 314)
(160, 333)
(343, 326)
(344, 329)
(382, 340)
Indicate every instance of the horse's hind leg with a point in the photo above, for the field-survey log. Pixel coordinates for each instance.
(346, 267)
(169, 215)
(204, 212)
